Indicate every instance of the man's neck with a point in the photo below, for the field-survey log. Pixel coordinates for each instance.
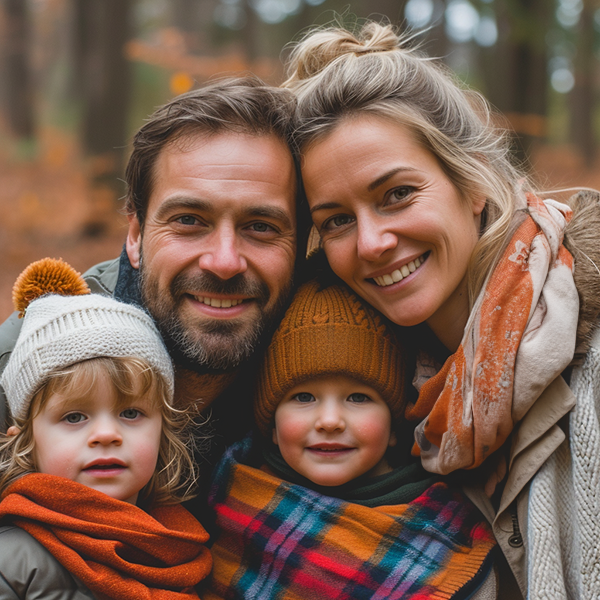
(200, 389)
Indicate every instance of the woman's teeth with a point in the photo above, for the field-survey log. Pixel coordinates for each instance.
(399, 274)
(227, 303)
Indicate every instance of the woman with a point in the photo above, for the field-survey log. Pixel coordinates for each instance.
(419, 210)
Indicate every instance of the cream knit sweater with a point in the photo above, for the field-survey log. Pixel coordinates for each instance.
(564, 502)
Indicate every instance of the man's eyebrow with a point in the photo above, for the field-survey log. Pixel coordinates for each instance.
(184, 202)
(181, 202)
(380, 180)
(270, 212)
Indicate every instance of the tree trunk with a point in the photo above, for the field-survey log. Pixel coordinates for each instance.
(582, 96)
(392, 9)
(250, 33)
(516, 73)
(102, 29)
(436, 41)
(19, 85)
(187, 16)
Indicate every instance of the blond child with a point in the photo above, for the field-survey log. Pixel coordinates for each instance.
(95, 464)
(317, 506)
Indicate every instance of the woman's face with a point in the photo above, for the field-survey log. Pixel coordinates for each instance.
(393, 226)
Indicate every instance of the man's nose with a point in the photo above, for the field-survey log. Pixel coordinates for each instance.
(221, 255)
(105, 431)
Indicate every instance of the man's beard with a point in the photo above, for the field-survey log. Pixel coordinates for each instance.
(213, 344)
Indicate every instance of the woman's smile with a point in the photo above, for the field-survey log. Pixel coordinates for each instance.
(401, 273)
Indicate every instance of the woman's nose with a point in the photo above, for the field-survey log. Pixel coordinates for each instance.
(374, 239)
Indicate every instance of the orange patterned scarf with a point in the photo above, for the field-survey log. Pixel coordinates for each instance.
(116, 549)
(520, 336)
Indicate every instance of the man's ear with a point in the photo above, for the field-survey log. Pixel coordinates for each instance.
(133, 243)
(13, 430)
(275, 437)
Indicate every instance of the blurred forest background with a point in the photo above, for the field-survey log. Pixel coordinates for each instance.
(78, 77)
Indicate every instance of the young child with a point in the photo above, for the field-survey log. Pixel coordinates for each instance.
(94, 467)
(317, 506)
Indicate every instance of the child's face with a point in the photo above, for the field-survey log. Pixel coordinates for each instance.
(334, 429)
(97, 442)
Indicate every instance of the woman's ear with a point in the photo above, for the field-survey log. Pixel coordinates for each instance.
(478, 205)
(13, 430)
(275, 437)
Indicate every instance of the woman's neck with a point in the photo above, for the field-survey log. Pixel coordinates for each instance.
(449, 322)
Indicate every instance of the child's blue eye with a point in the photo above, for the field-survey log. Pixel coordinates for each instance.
(75, 418)
(304, 397)
(358, 398)
(130, 413)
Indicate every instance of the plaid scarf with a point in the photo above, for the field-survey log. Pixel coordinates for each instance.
(520, 336)
(282, 541)
(116, 549)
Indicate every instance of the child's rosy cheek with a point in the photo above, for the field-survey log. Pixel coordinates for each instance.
(290, 431)
(374, 429)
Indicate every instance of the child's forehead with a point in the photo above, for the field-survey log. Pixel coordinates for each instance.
(337, 379)
(107, 398)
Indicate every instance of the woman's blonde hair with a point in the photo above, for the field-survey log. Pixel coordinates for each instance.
(337, 75)
(133, 378)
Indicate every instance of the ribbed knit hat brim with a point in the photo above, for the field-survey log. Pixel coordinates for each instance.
(329, 331)
(59, 331)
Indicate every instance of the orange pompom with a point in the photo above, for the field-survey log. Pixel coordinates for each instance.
(46, 276)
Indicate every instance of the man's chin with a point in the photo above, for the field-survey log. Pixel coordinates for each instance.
(221, 346)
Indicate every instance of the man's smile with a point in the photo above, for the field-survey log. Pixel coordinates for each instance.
(219, 302)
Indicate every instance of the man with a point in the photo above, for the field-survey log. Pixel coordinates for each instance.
(211, 245)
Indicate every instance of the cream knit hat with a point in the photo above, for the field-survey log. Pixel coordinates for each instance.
(59, 331)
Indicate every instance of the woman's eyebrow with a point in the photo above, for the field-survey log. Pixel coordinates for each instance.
(380, 180)
(373, 185)
(324, 206)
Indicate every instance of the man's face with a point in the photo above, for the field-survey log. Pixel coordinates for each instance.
(218, 245)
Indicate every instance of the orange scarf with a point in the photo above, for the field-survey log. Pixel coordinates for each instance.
(520, 336)
(115, 548)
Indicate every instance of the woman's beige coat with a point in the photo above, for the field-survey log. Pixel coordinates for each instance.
(545, 427)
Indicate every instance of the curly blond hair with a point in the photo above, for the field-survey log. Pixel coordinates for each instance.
(176, 472)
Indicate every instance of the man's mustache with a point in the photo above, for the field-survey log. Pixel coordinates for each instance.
(207, 283)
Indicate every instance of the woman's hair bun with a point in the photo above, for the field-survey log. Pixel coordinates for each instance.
(321, 47)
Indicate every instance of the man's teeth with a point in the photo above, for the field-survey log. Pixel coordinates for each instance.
(216, 303)
(399, 274)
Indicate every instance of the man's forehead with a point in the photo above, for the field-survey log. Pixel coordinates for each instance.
(204, 171)
(225, 139)
(227, 155)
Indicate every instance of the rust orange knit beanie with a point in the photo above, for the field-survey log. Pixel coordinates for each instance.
(326, 331)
